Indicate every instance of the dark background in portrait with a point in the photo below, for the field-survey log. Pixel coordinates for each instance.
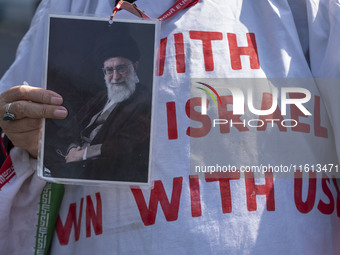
(74, 72)
(72, 64)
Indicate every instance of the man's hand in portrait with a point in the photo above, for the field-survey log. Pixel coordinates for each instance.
(75, 154)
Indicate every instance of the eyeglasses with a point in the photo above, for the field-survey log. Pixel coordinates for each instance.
(121, 69)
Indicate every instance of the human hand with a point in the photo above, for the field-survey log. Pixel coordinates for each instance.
(29, 106)
(75, 154)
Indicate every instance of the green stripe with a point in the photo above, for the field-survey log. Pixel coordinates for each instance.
(209, 94)
(50, 200)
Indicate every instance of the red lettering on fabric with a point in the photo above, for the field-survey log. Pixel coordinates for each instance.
(338, 195)
(94, 216)
(307, 206)
(224, 180)
(161, 56)
(318, 129)
(195, 196)
(295, 113)
(197, 116)
(64, 231)
(223, 113)
(338, 206)
(158, 194)
(336, 186)
(172, 120)
(252, 190)
(227, 119)
(326, 208)
(275, 117)
(180, 55)
(207, 38)
(236, 52)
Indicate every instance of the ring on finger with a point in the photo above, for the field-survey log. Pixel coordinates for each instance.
(8, 116)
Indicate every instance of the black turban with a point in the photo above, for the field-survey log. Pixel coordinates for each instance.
(116, 44)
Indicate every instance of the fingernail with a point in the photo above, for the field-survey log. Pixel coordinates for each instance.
(60, 113)
(56, 100)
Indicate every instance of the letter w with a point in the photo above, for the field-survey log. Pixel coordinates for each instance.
(64, 231)
(148, 214)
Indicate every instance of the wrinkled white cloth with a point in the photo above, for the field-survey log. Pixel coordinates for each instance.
(296, 219)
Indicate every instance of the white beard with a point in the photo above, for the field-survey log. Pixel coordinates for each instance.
(119, 93)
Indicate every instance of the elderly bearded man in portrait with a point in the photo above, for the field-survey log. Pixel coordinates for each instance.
(114, 127)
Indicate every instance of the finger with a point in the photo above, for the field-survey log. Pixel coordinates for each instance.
(25, 109)
(27, 141)
(21, 125)
(72, 150)
(29, 93)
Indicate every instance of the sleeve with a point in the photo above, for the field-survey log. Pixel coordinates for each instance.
(20, 188)
(21, 196)
(19, 201)
(324, 37)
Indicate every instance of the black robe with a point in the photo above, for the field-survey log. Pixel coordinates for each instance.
(124, 139)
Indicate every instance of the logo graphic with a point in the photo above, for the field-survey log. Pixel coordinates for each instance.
(204, 98)
(239, 99)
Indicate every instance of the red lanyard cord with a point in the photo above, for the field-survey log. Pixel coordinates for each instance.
(132, 8)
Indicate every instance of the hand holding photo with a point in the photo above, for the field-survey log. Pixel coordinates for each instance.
(105, 73)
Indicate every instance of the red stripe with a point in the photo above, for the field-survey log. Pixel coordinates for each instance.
(192, 3)
(2, 144)
(6, 172)
(179, 5)
(116, 9)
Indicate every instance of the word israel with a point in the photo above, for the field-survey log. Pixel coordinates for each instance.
(239, 102)
(314, 124)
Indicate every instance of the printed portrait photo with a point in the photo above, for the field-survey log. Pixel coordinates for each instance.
(105, 74)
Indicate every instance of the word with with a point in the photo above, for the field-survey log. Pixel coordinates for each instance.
(170, 207)
(207, 37)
